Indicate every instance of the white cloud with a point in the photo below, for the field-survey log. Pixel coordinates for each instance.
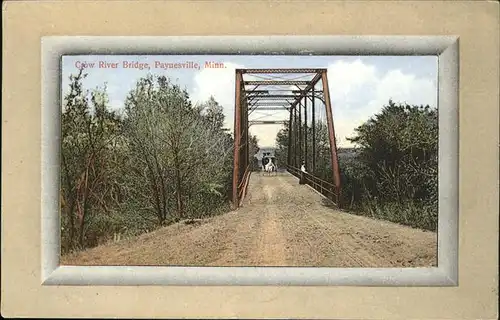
(220, 84)
(345, 78)
(117, 104)
(358, 91)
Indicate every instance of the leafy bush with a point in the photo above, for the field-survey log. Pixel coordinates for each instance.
(162, 160)
(394, 173)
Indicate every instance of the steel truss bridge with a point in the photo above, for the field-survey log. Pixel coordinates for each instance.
(292, 96)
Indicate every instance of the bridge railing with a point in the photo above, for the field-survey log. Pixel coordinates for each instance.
(324, 187)
(242, 186)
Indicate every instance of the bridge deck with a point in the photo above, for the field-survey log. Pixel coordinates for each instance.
(281, 223)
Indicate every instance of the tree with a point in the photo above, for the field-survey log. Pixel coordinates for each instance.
(394, 174)
(213, 113)
(162, 161)
(158, 119)
(322, 150)
(253, 150)
(183, 148)
(88, 131)
(281, 151)
(399, 145)
(397, 163)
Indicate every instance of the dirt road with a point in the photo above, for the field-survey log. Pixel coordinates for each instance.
(281, 223)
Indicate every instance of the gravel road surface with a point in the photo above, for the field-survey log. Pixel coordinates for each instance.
(281, 223)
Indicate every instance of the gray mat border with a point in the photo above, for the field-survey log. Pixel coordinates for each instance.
(445, 47)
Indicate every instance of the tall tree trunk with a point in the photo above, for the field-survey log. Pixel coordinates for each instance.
(81, 239)
(178, 184)
(84, 207)
(163, 189)
(154, 189)
(71, 202)
(352, 196)
(70, 209)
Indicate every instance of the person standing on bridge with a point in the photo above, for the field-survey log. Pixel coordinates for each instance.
(302, 173)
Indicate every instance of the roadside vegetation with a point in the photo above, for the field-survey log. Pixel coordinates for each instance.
(394, 173)
(158, 160)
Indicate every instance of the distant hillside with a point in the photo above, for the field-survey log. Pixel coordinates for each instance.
(265, 150)
(345, 153)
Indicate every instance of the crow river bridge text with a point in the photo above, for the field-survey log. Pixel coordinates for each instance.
(148, 65)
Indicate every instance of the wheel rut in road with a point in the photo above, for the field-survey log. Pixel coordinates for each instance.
(281, 223)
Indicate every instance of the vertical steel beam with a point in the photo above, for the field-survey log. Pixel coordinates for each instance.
(313, 132)
(306, 158)
(249, 156)
(237, 139)
(300, 133)
(296, 129)
(294, 134)
(244, 143)
(331, 135)
(243, 159)
(247, 133)
(246, 136)
(289, 159)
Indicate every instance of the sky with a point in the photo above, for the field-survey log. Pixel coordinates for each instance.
(359, 85)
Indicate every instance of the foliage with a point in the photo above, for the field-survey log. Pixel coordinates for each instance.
(88, 133)
(164, 160)
(397, 164)
(394, 174)
(253, 149)
(322, 150)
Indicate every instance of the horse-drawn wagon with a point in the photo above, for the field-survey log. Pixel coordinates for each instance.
(269, 164)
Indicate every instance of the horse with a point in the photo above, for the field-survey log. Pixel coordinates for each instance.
(270, 167)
